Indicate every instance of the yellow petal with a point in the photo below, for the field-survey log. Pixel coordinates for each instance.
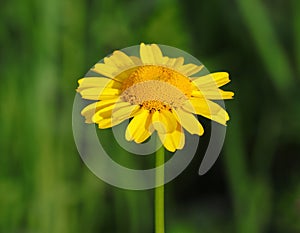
(91, 109)
(174, 140)
(119, 60)
(100, 93)
(189, 122)
(125, 112)
(189, 69)
(213, 94)
(207, 109)
(179, 62)
(116, 116)
(108, 123)
(136, 60)
(90, 82)
(142, 136)
(151, 54)
(157, 54)
(88, 114)
(164, 121)
(107, 111)
(174, 63)
(138, 128)
(169, 62)
(106, 70)
(212, 80)
(117, 63)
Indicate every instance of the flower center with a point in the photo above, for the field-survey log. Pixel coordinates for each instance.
(156, 88)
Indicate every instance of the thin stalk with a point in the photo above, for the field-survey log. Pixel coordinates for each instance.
(159, 192)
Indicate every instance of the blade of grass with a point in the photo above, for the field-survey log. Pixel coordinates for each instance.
(236, 164)
(271, 51)
(296, 17)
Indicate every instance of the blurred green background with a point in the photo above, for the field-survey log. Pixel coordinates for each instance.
(46, 46)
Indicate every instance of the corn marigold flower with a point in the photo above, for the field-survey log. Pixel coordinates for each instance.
(158, 92)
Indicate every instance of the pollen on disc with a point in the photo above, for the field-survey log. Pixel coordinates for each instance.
(156, 87)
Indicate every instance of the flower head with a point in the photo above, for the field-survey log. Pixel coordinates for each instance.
(159, 93)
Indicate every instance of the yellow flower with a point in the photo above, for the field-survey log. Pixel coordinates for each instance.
(157, 92)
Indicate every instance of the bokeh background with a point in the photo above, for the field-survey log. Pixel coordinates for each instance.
(46, 46)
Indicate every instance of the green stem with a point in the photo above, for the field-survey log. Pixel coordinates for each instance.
(159, 192)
